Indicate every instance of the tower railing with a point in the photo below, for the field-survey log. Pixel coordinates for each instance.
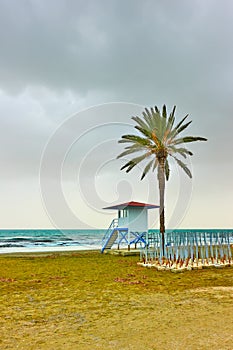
(113, 225)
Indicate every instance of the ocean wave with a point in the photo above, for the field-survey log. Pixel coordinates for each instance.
(9, 245)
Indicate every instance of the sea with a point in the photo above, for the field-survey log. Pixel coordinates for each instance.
(44, 240)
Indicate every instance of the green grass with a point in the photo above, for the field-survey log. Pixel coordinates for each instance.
(88, 300)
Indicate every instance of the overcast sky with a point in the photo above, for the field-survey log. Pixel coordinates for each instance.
(73, 73)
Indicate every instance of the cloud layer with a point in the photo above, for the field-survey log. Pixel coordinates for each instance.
(59, 57)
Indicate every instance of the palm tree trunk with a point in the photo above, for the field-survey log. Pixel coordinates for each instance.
(161, 178)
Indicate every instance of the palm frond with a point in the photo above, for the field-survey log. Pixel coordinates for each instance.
(181, 150)
(173, 133)
(183, 127)
(130, 150)
(135, 139)
(156, 162)
(155, 119)
(141, 123)
(163, 123)
(147, 116)
(181, 122)
(133, 162)
(147, 168)
(164, 112)
(183, 166)
(144, 131)
(171, 119)
(167, 170)
(189, 139)
(169, 126)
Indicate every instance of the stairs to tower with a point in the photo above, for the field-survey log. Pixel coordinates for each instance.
(110, 236)
(111, 240)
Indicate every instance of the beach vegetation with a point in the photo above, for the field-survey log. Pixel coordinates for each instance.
(157, 140)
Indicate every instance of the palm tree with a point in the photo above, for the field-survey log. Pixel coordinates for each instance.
(159, 140)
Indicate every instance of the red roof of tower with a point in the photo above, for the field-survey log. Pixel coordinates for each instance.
(133, 204)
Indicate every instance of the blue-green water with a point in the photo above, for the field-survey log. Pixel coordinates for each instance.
(51, 240)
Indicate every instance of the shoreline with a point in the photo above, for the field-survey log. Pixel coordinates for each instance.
(55, 249)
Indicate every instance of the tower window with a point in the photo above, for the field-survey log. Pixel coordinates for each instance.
(123, 213)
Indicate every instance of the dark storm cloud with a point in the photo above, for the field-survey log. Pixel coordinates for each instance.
(134, 48)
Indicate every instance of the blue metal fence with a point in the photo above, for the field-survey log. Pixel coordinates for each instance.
(193, 245)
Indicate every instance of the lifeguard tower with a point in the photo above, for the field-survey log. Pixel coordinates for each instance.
(130, 227)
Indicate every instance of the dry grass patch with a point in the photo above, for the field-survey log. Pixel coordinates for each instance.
(91, 301)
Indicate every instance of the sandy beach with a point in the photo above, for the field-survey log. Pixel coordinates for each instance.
(88, 300)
